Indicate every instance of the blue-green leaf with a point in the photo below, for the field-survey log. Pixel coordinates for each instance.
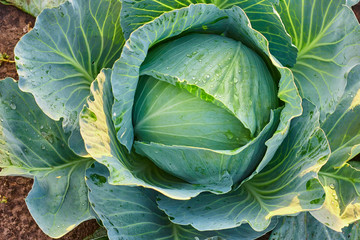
(342, 201)
(131, 213)
(287, 185)
(62, 55)
(340, 179)
(304, 226)
(34, 7)
(326, 33)
(261, 14)
(351, 3)
(342, 128)
(33, 145)
(58, 200)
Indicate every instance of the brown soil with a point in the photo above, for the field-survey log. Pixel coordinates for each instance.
(13, 24)
(15, 220)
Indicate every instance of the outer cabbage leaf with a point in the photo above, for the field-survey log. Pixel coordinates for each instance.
(33, 145)
(341, 180)
(351, 3)
(131, 213)
(342, 128)
(33, 7)
(263, 18)
(287, 185)
(342, 201)
(62, 55)
(304, 226)
(127, 168)
(327, 34)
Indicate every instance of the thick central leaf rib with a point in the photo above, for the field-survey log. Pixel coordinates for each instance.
(171, 115)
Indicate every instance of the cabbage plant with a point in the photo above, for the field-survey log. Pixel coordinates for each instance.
(188, 119)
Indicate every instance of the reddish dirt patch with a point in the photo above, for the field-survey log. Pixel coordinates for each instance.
(356, 9)
(15, 220)
(13, 25)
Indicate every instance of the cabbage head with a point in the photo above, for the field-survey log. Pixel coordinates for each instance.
(188, 119)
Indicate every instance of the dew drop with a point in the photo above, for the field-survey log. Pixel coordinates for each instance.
(42, 147)
(12, 106)
(207, 76)
(229, 135)
(332, 186)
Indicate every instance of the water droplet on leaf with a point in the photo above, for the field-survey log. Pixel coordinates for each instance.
(12, 106)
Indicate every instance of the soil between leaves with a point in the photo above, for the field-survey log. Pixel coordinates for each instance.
(15, 220)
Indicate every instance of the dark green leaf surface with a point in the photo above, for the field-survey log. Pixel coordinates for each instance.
(327, 34)
(33, 145)
(131, 213)
(287, 185)
(261, 14)
(62, 55)
(304, 226)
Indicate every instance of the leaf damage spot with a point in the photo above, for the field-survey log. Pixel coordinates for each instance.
(356, 101)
